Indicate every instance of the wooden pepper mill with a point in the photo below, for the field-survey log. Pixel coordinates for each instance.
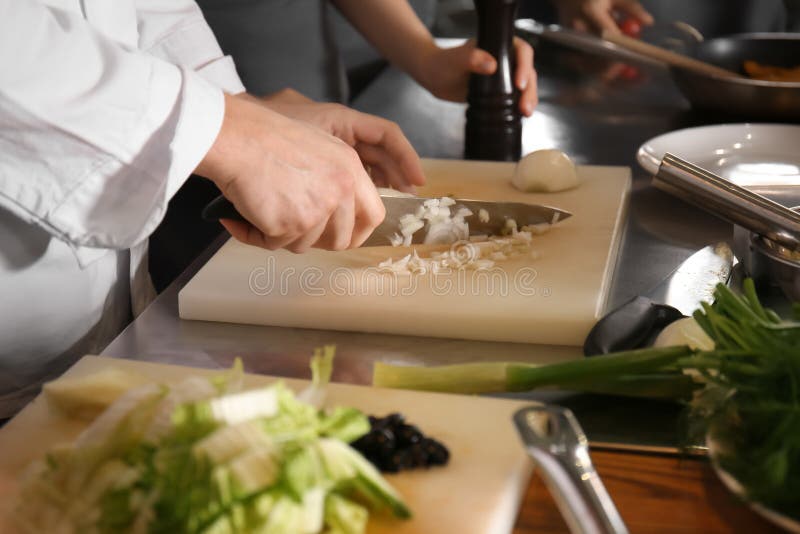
(494, 122)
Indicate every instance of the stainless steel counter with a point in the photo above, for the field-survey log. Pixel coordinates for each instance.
(595, 121)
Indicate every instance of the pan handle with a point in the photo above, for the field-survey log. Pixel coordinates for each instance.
(583, 42)
(729, 201)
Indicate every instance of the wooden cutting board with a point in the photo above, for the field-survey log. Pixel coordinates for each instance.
(478, 492)
(553, 299)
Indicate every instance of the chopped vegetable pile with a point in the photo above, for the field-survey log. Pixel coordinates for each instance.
(392, 445)
(199, 458)
(448, 227)
(743, 390)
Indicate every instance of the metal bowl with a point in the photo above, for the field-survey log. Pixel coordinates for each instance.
(777, 264)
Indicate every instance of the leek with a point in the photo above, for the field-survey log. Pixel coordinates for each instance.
(644, 372)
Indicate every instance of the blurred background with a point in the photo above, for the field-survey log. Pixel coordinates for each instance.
(456, 18)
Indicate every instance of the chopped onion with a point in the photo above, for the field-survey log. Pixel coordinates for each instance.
(446, 226)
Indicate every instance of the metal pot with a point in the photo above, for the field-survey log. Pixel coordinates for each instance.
(767, 238)
(768, 262)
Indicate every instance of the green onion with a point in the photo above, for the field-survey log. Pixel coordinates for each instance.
(605, 374)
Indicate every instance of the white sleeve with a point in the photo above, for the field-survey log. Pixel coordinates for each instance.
(176, 31)
(94, 138)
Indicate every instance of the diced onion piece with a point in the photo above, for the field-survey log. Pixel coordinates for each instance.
(537, 229)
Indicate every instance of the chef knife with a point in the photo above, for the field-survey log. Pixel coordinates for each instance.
(396, 207)
(636, 323)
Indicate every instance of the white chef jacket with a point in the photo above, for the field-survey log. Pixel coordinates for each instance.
(105, 108)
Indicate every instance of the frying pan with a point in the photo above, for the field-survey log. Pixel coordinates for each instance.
(743, 97)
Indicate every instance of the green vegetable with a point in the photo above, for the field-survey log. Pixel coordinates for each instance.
(751, 403)
(344, 516)
(321, 371)
(191, 459)
(623, 373)
(745, 389)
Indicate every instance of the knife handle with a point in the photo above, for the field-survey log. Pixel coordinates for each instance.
(221, 208)
(633, 325)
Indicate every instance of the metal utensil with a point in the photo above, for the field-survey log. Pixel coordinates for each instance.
(583, 42)
(637, 322)
(559, 448)
(396, 207)
(729, 201)
(668, 57)
(776, 264)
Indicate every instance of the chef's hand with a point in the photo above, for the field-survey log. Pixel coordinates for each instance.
(381, 145)
(445, 72)
(598, 15)
(299, 186)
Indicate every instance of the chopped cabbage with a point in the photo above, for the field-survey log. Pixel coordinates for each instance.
(195, 459)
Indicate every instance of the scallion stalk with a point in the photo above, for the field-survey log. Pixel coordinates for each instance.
(617, 373)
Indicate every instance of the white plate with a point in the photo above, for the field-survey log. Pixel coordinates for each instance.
(747, 154)
(734, 486)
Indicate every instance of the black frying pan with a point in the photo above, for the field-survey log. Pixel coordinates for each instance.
(744, 97)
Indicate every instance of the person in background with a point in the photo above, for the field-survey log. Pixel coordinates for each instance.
(603, 15)
(296, 39)
(105, 110)
(711, 17)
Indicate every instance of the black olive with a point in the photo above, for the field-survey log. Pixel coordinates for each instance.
(437, 453)
(419, 455)
(407, 435)
(388, 467)
(393, 445)
(382, 438)
(394, 419)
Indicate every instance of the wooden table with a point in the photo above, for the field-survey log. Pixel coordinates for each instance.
(654, 494)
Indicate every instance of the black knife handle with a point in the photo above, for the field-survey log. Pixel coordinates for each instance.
(221, 208)
(633, 325)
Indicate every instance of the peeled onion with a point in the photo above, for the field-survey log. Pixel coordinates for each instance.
(684, 331)
(545, 171)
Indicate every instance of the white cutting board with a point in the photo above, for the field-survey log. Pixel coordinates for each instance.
(479, 491)
(554, 299)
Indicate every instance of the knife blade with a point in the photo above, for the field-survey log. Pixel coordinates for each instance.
(637, 322)
(397, 207)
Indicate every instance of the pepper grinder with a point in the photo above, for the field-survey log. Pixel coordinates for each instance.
(494, 122)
